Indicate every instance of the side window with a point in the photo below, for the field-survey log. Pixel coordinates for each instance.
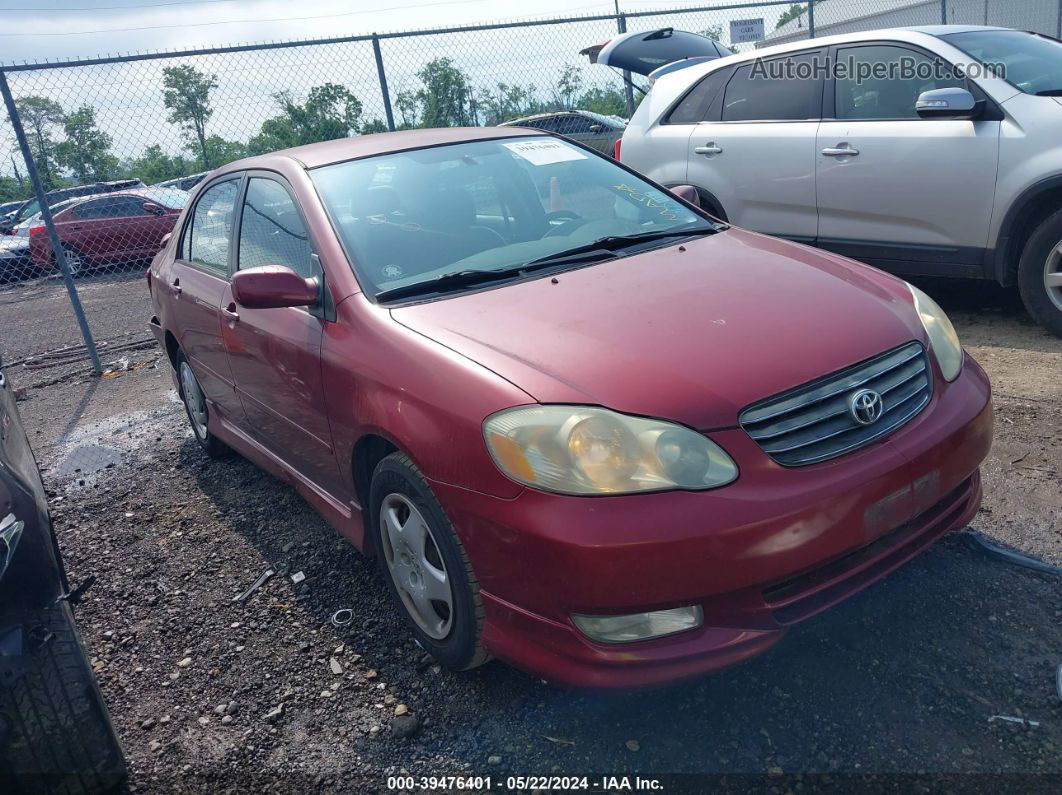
(207, 237)
(549, 125)
(773, 91)
(883, 82)
(271, 229)
(694, 106)
(125, 207)
(573, 125)
(93, 209)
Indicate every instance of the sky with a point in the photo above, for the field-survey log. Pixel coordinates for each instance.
(34, 30)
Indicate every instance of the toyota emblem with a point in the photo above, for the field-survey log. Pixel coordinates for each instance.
(865, 406)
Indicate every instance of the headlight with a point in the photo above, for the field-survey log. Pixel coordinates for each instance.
(589, 450)
(942, 337)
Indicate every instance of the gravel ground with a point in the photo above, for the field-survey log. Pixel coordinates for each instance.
(209, 694)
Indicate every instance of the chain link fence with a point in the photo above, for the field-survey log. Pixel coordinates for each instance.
(113, 145)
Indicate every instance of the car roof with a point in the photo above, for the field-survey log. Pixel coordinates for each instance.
(328, 152)
(914, 34)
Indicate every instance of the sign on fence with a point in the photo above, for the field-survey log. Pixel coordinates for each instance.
(743, 30)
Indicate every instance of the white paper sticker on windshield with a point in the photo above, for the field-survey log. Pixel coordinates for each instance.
(544, 152)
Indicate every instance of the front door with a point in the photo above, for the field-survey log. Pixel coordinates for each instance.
(275, 354)
(197, 281)
(908, 193)
(756, 151)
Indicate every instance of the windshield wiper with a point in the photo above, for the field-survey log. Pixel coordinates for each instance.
(1050, 92)
(618, 242)
(470, 278)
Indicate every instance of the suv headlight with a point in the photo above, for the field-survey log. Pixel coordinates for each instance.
(589, 450)
(942, 337)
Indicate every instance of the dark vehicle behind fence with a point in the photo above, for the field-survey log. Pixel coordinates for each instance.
(55, 732)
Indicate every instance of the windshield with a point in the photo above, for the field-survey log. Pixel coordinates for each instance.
(411, 217)
(1030, 62)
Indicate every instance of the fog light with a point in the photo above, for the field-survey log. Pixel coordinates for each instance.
(639, 626)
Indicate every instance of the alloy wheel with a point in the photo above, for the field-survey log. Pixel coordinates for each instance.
(416, 566)
(74, 263)
(1053, 275)
(194, 401)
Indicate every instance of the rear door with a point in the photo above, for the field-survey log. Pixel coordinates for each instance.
(910, 194)
(197, 283)
(755, 151)
(275, 354)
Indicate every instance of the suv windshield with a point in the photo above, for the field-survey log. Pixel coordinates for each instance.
(1030, 62)
(413, 218)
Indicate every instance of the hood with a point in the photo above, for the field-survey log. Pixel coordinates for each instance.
(644, 52)
(690, 335)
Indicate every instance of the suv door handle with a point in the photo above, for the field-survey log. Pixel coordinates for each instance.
(708, 149)
(175, 285)
(231, 313)
(840, 151)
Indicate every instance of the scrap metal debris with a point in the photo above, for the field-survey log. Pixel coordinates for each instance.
(297, 577)
(342, 617)
(1011, 719)
(1010, 556)
(263, 578)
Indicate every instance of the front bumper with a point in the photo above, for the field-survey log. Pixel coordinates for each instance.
(775, 547)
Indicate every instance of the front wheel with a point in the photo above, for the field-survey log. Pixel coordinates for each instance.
(426, 567)
(1040, 274)
(75, 263)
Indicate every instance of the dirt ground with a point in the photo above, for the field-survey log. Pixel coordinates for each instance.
(902, 685)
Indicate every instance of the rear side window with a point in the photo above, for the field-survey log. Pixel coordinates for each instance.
(207, 237)
(113, 207)
(271, 229)
(774, 91)
(694, 106)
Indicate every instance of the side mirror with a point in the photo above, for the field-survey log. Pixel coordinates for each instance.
(948, 103)
(596, 128)
(687, 193)
(272, 287)
(153, 209)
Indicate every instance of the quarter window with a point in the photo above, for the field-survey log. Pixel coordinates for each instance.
(271, 229)
(883, 82)
(694, 106)
(782, 89)
(207, 238)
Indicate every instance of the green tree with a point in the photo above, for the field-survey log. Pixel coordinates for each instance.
(791, 13)
(86, 150)
(40, 117)
(606, 101)
(374, 126)
(444, 95)
(187, 97)
(408, 109)
(568, 86)
(330, 111)
(505, 102)
(221, 151)
(155, 165)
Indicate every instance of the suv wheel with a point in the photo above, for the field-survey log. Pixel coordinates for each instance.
(427, 570)
(195, 406)
(1040, 274)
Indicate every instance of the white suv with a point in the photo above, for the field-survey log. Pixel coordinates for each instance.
(931, 150)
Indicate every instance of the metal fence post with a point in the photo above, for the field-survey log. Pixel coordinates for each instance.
(49, 224)
(943, 12)
(1058, 24)
(628, 92)
(383, 83)
(811, 19)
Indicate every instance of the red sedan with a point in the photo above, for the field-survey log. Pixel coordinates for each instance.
(583, 426)
(107, 229)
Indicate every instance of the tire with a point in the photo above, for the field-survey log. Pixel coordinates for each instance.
(192, 395)
(55, 732)
(75, 263)
(455, 642)
(1041, 259)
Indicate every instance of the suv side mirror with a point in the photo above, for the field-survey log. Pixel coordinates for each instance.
(687, 193)
(273, 287)
(948, 103)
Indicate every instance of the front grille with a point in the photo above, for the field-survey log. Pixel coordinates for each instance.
(813, 423)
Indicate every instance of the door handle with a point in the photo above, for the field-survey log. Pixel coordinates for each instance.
(175, 285)
(231, 313)
(840, 151)
(708, 149)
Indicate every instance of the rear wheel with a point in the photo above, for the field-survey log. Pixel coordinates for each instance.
(195, 406)
(55, 733)
(427, 570)
(1040, 274)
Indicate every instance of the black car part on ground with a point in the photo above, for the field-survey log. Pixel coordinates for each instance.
(55, 732)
